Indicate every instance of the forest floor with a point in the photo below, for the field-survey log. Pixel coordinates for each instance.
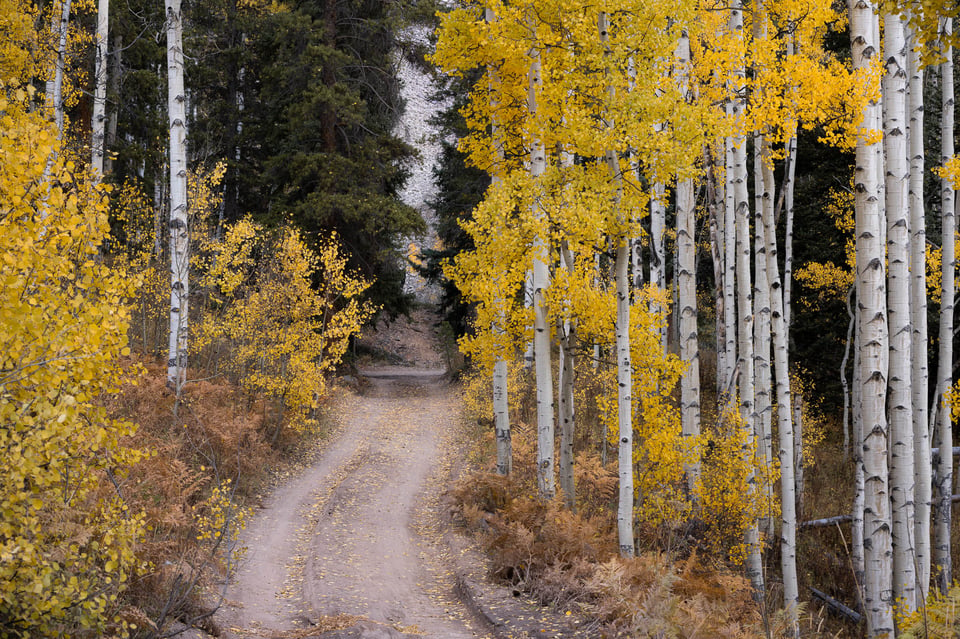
(358, 543)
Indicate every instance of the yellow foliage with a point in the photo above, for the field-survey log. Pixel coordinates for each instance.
(939, 618)
(66, 539)
(730, 488)
(284, 332)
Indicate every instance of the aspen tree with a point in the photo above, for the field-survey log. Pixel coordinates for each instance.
(788, 528)
(179, 236)
(737, 199)
(541, 280)
(60, 28)
(898, 257)
(567, 408)
(874, 340)
(99, 121)
(919, 375)
(687, 294)
(501, 404)
(944, 465)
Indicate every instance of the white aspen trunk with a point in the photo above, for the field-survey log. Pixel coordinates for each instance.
(179, 236)
(847, 408)
(799, 461)
(658, 267)
(501, 404)
(738, 197)
(111, 133)
(528, 296)
(568, 341)
(687, 303)
(944, 477)
(919, 375)
(99, 120)
(729, 243)
(788, 515)
(899, 400)
(764, 404)
(501, 418)
(541, 330)
(624, 365)
(874, 341)
(856, 531)
(60, 27)
(715, 206)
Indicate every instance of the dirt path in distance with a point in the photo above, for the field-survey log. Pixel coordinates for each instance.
(352, 547)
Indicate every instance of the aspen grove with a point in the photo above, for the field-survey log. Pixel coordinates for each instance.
(697, 257)
(597, 123)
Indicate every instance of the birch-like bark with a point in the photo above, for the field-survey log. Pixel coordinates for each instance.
(567, 408)
(179, 237)
(60, 27)
(687, 302)
(874, 340)
(899, 400)
(541, 330)
(624, 365)
(764, 405)
(919, 375)
(943, 484)
(856, 530)
(501, 404)
(739, 206)
(728, 237)
(715, 207)
(658, 267)
(99, 120)
(788, 515)
(114, 86)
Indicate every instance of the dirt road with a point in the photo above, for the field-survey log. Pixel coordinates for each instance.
(353, 544)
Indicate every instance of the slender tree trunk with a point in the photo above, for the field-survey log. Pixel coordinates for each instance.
(501, 405)
(541, 330)
(728, 237)
(764, 405)
(687, 304)
(844, 363)
(98, 125)
(658, 266)
(624, 365)
(113, 93)
(179, 236)
(738, 233)
(857, 528)
(919, 375)
(61, 29)
(944, 479)
(568, 341)
(788, 516)
(874, 341)
(898, 257)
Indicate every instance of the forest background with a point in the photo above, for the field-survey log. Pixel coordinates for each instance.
(609, 164)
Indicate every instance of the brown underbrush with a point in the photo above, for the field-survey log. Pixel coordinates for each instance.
(208, 455)
(570, 560)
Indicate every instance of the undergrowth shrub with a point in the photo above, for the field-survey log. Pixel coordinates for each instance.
(204, 465)
(570, 559)
(939, 619)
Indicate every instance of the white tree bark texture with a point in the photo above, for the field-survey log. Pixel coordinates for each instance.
(179, 236)
(870, 230)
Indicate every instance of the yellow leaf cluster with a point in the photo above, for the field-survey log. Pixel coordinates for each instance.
(66, 539)
(284, 313)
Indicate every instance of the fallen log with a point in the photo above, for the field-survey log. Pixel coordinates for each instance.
(837, 607)
(841, 519)
(936, 451)
(827, 521)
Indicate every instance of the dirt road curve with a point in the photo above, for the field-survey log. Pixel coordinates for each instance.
(351, 548)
